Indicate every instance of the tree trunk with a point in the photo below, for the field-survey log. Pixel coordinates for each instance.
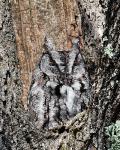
(24, 25)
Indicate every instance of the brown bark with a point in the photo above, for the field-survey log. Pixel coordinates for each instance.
(35, 20)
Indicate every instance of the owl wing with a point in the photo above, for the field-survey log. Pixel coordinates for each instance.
(36, 97)
(80, 77)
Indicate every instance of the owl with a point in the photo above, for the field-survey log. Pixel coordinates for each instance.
(60, 87)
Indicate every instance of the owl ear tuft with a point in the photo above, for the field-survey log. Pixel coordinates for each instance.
(75, 42)
(48, 44)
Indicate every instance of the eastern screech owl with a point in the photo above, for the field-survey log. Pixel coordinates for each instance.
(59, 89)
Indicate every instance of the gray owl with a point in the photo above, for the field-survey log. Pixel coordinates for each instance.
(60, 88)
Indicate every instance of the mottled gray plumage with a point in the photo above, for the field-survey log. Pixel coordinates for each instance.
(60, 88)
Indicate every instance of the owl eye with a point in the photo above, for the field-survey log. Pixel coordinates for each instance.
(52, 63)
(84, 77)
(77, 62)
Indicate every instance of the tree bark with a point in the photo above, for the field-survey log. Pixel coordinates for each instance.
(23, 28)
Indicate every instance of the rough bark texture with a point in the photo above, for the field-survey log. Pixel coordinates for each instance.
(21, 44)
(35, 20)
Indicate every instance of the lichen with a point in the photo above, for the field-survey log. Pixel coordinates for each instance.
(113, 133)
(109, 50)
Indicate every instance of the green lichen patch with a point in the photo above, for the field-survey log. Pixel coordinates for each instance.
(113, 133)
